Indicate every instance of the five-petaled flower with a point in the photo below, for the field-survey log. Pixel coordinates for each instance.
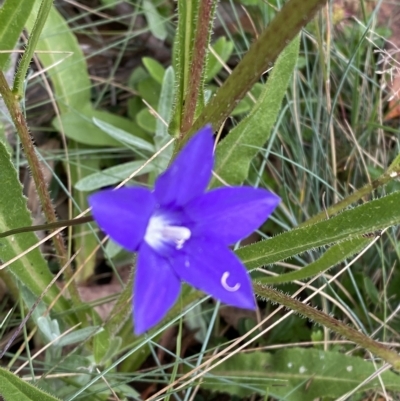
(182, 233)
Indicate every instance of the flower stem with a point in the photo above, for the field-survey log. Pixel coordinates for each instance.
(201, 40)
(325, 320)
(13, 106)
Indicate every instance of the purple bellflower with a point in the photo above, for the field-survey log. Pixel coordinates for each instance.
(182, 233)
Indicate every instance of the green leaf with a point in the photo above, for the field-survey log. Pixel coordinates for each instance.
(146, 121)
(85, 237)
(13, 17)
(297, 374)
(369, 217)
(223, 48)
(372, 291)
(78, 336)
(30, 269)
(79, 126)
(149, 89)
(64, 59)
(334, 255)
(13, 388)
(112, 175)
(112, 249)
(165, 108)
(155, 69)
(155, 20)
(165, 104)
(105, 347)
(235, 153)
(123, 136)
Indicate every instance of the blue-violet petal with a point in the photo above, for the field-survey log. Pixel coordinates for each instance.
(213, 268)
(156, 289)
(190, 172)
(123, 214)
(230, 214)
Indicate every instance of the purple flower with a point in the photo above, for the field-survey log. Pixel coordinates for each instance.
(182, 233)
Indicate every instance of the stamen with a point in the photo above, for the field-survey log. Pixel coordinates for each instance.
(175, 232)
(226, 286)
(159, 231)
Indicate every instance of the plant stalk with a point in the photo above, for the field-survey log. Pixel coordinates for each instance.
(378, 349)
(13, 106)
(199, 53)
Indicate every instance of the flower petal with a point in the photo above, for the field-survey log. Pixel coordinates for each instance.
(156, 289)
(190, 173)
(230, 214)
(214, 269)
(123, 214)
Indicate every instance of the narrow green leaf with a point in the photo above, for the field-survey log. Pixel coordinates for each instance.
(155, 20)
(112, 175)
(369, 217)
(31, 269)
(13, 16)
(123, 136)
(78, 336)
(297, 374)
(165, 103)
(85, 237)
(13, 388)
(333, 256)
(235, 153)
(165, 108)
(79, 126)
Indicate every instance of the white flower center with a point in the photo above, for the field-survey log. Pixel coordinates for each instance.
(159, 231)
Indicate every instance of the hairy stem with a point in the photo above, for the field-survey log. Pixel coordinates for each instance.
(325, 320)
(13, 106)
(198, 62)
